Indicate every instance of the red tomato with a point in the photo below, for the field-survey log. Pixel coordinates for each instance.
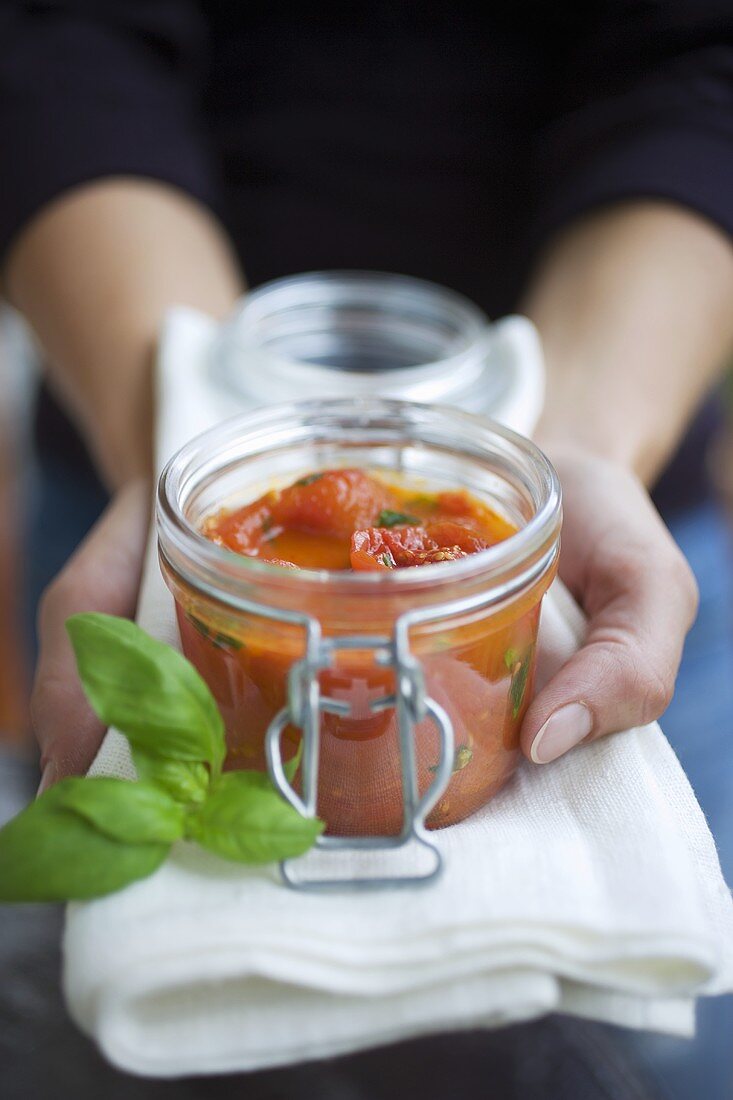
(398, 547)
(448, 534)
(243, 530)
(337, 502)
(463, 508)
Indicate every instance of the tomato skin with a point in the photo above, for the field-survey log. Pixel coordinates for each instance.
(363, 561)
(244, 530)
(379, 548)
(461, 507)
(336, 502)
(371, 548)
(448, 534)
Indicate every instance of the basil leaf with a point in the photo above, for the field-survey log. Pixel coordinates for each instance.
(184, 780)
(137, 812)
(48, 853)
(245, 819)
(461, 758)
(388, 518)
(146, 689)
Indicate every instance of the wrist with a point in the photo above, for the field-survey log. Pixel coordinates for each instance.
(633, 306)
(120, 434)
(114, 412)
(636, 452)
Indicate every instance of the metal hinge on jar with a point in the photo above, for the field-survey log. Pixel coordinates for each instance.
(412, 705)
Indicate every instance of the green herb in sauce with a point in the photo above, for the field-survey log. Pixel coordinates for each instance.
(520, 668)
(388, 518)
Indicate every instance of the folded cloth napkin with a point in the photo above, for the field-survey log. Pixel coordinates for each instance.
(589, 886)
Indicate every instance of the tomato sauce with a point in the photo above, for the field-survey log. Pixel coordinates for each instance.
(349, 519)
(481, 671)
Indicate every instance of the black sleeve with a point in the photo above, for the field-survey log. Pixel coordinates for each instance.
(642, 107)
(97, 88)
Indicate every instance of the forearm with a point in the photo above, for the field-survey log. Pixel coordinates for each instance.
(635, 308)
(94, 274)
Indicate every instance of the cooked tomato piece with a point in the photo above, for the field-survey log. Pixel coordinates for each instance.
(448, 535)
(347, 519)
(337, 502)
(463, 508)
(400, 547)
(243, 530)
(369, 550)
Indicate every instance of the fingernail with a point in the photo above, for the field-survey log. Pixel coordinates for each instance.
(48, 776)
(563, 730)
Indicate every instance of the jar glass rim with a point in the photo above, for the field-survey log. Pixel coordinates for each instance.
(382, 289)
(181, 540)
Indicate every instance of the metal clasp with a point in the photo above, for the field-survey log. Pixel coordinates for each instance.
(304, 708)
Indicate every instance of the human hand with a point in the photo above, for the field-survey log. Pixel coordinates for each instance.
(102, 575)
(640, 596)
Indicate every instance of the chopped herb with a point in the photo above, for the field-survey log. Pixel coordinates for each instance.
(225, 641)
(309, 479)
(520, 676)
(388, 518)
(510, 659)
(388, 560)
(269, 530)
(197, 624)
(216, 637)
(463, 756)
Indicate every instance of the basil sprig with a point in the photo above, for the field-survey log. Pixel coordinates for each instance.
(84, 838)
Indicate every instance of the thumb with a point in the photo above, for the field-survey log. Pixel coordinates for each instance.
(623, 676)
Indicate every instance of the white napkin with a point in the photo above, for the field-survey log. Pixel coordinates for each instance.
(589, 886)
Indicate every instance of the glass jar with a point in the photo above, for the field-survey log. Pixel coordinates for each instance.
(330, 334)
(435, 662)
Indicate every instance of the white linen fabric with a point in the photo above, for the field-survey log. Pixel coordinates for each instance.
(589, 886)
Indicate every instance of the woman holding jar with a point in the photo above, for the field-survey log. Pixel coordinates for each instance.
(578, 168)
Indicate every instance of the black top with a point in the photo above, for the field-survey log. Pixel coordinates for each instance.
(423, 138)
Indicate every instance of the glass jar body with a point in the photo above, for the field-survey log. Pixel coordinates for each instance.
(476, 642)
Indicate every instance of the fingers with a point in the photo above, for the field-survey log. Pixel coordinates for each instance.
(103, 575)
(641, 599)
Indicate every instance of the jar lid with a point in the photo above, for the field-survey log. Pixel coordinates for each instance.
(357, 333)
